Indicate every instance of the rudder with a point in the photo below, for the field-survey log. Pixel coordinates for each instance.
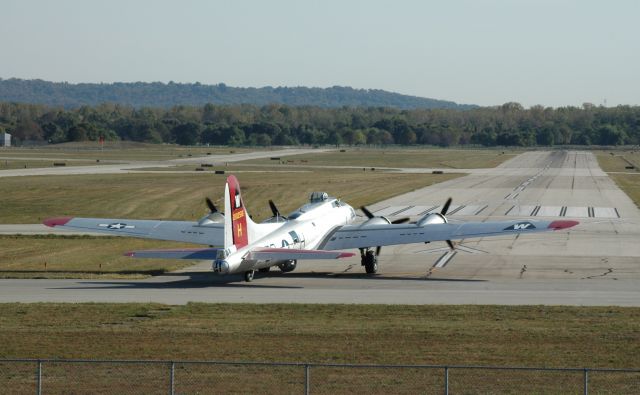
(237, 226)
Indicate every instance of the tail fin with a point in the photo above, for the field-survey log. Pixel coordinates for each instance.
(238, 227)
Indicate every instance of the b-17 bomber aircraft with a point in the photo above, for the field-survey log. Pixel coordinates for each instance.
(321, 229)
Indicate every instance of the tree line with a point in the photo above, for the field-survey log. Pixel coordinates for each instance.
(506, 125)
(157, 94)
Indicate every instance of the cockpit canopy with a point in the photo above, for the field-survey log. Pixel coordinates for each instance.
(318, 197)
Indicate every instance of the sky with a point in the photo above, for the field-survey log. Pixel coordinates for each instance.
(486, 52)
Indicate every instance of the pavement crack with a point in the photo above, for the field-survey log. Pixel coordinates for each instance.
(348, 268)
(524, 269)
(609, 271)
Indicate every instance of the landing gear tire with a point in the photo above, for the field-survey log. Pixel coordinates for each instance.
(288, 266)
(370, 261)
(265, 269)
(248, 276)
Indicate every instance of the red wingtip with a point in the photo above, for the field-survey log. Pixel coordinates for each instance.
(57, 221)
(346, 255)
(562, 224)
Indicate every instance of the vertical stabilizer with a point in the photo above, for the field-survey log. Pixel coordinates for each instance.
(238, 227)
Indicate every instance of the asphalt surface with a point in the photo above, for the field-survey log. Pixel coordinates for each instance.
(595, 263)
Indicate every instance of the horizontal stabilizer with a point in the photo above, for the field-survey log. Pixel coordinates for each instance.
(189, 253)
(284, 254)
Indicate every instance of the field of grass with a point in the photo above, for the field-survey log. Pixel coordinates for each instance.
(616, 163)
(54, 256)
(492, 335)
(120, 150)
(372, 334)
(397, 157)
(181, 196)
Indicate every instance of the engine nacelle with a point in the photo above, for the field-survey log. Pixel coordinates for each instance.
(376, 221)
(210, 219)
(432, 219)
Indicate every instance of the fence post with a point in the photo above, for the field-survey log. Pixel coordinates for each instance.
(172, 370)
(586, 381)
(446, 380)
(307, 369)
(39, 378)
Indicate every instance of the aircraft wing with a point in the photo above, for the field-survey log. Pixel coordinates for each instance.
(357, 236)
(184, 231)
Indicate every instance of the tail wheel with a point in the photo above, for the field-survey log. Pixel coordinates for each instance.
(248, 276)
(370, 262)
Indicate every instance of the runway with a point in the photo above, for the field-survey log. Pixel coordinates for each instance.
(595, 263)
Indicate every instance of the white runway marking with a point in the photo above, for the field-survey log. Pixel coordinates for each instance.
(513, 211)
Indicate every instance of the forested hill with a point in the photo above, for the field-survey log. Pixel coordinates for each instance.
(156, 94)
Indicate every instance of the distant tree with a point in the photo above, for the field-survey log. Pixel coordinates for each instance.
(77, 133)
(27, 129)
(611, 135)
(186, 133)
(53, 133)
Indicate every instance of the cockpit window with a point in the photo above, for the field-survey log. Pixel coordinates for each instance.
(294, 215)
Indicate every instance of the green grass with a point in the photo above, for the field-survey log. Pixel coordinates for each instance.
(540, 336)
(53, 256)
(492, 335)
(615, 163)
(181, 196)
(396, 157)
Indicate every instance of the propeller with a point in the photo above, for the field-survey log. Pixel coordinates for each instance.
(444, 210)
(214, 215)
(451, 245)
(275, 211)
(370, 215)
(366, 212)
(212, 207)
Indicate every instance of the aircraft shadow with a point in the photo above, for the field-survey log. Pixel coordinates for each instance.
(198, 280)
(365, 276)
(194, 280)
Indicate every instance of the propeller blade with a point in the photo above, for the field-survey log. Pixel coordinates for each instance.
(366, 212)
(445, 208)
(274, 209)
(451, 245)
(378, 249)
(212, 207)
(401, 220)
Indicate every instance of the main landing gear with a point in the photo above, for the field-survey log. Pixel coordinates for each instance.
(285, 267)
(369, 259)
(248, 275)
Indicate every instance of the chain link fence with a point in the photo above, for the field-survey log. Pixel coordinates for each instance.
(28, 376)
